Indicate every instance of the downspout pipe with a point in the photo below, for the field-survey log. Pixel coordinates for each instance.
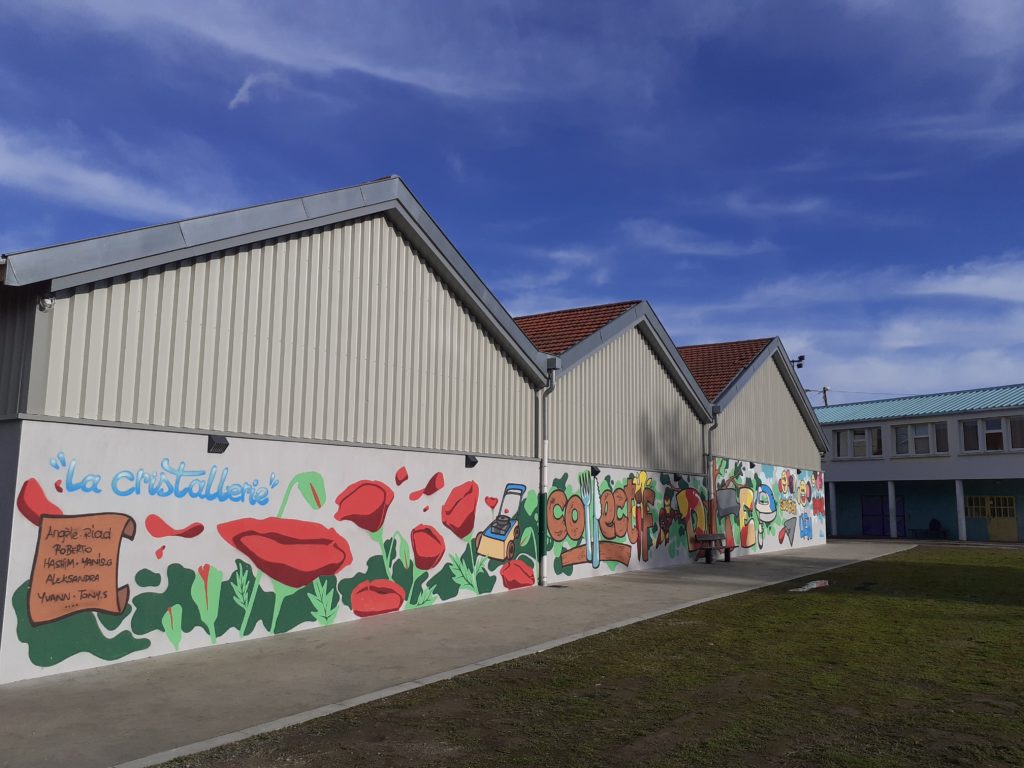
(708, 475)
(554, 365)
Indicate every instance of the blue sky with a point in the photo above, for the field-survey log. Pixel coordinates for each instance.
(846, 174)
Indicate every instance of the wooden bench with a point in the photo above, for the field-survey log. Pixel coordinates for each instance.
(709, 543)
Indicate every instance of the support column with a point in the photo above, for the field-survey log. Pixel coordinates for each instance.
(961, 512)
(833, 511)
(892, 509)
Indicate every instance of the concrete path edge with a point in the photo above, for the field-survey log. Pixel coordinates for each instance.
(383, 693)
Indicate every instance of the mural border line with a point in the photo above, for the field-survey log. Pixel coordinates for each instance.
(383, 693)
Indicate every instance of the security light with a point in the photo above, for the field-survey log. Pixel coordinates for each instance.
(677, 477)
(595, 471)
(471, 461)
(46, 302)
(216, 444)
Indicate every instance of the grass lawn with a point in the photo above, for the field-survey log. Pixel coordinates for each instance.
(916, 659)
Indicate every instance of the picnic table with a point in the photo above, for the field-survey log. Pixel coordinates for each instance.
(709, 543)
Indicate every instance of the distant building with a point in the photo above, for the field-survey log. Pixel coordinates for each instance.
(948, 465)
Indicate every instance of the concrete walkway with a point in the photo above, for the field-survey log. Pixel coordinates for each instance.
(143, 712)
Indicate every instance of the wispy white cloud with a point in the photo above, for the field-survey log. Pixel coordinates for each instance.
(993, 132)
(747, 206)
(887, 176)
(684, 241)
(253, 81)
(62, 168)
(1001, 279)
(568, 276)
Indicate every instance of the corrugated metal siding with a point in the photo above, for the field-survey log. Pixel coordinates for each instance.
(620, 407)
(16, 316)
(342, 333)
(762, 424)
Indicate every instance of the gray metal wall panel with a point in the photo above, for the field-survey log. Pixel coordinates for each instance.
(762, 423)
(620, 407)
(17, 308)
(342, 333)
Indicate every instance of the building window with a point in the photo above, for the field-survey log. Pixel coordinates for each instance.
(1016, 431)
(922, 442)
(969, 429)
(860, 444)
(993, 434)
(990, 506)
(902, 440)
(921, 439)
(839, 440)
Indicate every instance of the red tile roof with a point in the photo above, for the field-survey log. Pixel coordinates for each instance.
(555, 332)
(714, 366)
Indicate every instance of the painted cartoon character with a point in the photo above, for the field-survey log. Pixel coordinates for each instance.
(805, 526)
(767, 511)
(668, 513)
(804, 494)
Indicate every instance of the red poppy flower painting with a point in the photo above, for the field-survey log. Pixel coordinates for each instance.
(292, 552)
(516, 573)
(427, 546)
(377, 596)
(459, 513)
(365, 503)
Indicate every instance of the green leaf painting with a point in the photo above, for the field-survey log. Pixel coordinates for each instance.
(172, 625)
(206, 596)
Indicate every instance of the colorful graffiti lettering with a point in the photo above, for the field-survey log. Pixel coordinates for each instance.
(632, 520)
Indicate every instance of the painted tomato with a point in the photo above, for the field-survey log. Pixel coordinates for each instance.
(365, 503)
(293, 552)
(516, 574)
(427, 546)
(33, 504)
(377, 596)
(459, 512)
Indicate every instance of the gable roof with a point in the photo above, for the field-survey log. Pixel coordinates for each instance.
(963, 401)
(555, 332)
(601, 325)
(742, 360)
(715, 366)
(60, 267)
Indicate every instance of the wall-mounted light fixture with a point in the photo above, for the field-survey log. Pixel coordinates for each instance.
(46, 302)
(216, 444)
(677, 477)
(471, 461)
(798, 362)
(595, 471)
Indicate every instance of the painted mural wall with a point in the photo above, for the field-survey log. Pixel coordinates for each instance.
(621, 520)
(764, 508)
(129, 543)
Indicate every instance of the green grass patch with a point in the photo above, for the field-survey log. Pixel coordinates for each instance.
(914, 659)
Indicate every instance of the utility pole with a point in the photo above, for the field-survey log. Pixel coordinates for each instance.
(823, 391)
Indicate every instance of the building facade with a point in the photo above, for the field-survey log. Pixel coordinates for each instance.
(765, 446)
(948, 465)
(313, 411)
